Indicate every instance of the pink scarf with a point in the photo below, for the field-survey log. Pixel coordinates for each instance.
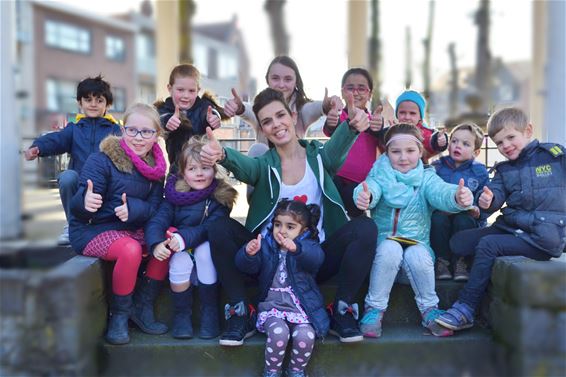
(155, 173)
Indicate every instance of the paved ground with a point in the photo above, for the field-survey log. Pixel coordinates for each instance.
(43, 216)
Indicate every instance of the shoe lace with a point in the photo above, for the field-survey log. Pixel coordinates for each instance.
(460, 267)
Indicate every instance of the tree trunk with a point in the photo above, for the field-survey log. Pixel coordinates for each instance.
(279, 36)
(187, 9)
(375, 53)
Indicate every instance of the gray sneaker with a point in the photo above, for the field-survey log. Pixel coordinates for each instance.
(63, 239)
(461, 271)
(441, 270)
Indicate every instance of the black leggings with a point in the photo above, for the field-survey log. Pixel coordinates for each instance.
(349, 253)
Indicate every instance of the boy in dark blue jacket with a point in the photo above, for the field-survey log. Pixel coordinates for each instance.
(532, 184)
(464, 145)
(80, 139)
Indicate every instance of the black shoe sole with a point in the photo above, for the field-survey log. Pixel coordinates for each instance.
(350, 339)
(234, 342)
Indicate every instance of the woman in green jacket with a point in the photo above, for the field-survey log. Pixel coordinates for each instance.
(300, 170)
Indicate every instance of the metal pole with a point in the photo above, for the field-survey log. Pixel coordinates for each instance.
(10, 139)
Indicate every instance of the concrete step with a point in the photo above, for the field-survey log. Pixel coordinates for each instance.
(402, 307)
(403, 350)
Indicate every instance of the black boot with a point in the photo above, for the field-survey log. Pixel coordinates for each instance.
(142, 314)
(120, 308)
(182, 321)
(209, 309)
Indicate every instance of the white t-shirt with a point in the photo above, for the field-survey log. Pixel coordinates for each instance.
(306, 190)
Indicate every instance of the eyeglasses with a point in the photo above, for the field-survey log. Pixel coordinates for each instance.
(133, 132)
(359, 89)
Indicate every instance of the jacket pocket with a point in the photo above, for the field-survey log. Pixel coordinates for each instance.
(549, 232)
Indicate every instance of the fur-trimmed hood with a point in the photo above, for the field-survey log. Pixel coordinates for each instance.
(224, 193)
(110, 146)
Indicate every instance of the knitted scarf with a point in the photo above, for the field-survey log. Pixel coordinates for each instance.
(154, 173)
(398, 188)
(185, 198)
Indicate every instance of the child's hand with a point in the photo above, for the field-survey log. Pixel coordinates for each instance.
(234, 106)
(212, 119)
(376, 119)
(485, 198)
(358, 118)
(122, 211)
(31, 153)
(327, 103)
(175, 121)
(441, 140)
(286, 243)
(173, 242)
(92, 201)
(475, 212)
(212, 151)
(333, 117)
(253, 246)
(161, 251)
(464, 196)
(364, 197)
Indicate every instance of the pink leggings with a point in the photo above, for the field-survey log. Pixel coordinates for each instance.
(127, 252)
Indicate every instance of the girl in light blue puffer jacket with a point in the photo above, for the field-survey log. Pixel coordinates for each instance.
(402, 194)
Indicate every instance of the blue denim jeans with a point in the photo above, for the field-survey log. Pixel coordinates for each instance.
(486, 244)
(68, 186)
(417, 265)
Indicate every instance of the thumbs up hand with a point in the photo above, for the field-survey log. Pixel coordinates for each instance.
(162, 251)
(175, 121)
(212, 118)
(485, 198)
(464, 196)
(122, 211)
(376, 119)
(212, 151)
(174, 244)
(327, 103)
(92, 200)
(364, 197)
(333, 117)
(358, 118)
(442, 139)
(235, 105)
(31, 153)
(253, 246)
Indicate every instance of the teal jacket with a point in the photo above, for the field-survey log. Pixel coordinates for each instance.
(402, 204)
(264, 173)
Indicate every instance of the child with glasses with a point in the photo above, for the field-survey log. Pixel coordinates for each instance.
(119, 190)
(184, 113)
(356, 82)
(80, 139)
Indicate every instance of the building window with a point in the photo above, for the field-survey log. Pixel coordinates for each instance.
(67, 37)
(145, 53)
(200, 52)
(115, 48)
(119, 104)
(227, 66)
(61, 96)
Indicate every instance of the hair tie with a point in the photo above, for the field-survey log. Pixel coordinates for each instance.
(403, 137)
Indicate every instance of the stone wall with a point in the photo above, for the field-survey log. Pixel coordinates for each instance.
(52, 320)
(528, 315)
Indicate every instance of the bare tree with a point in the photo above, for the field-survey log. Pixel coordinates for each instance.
(453, 96)
(427, 47)
(187, 9)
(483, 55)
(408, 59)
(279, 36)
(375, 53)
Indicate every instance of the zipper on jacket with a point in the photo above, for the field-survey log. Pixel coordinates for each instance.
(269, 168)
(321, 181)
(396, 220)
(93, 135)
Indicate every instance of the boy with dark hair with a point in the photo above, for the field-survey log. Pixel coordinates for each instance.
(532, 184)
(80, 139)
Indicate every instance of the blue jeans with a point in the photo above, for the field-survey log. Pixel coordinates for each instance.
(416, 263)
(443, 227)
(486, 244)
(68, 186)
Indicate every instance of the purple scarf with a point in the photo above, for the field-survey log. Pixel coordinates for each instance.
(185, 198)
(152, 173)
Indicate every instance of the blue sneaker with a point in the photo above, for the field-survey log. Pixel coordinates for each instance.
(459, 317)
(370, 325)
(429, 317)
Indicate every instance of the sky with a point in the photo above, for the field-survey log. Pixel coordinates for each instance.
(317, 30)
